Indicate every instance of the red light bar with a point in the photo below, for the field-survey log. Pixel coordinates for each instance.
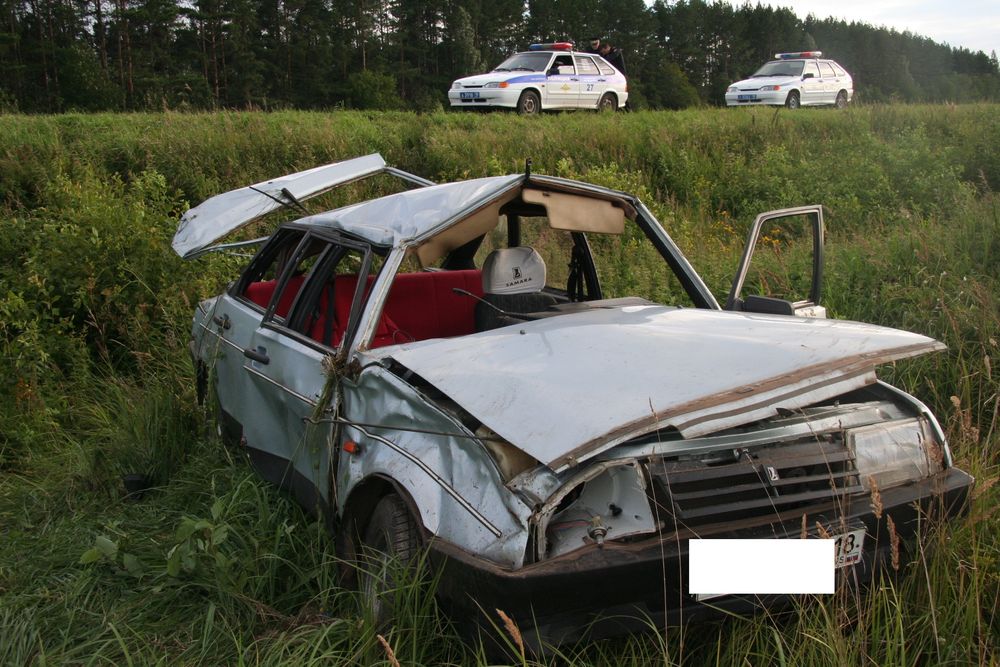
(554, 46)
(800, 54)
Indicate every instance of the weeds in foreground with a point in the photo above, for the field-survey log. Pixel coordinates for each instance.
(212, 566)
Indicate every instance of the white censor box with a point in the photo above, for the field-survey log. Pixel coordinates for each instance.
(760, 567)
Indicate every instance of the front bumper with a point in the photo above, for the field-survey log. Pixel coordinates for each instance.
(484, 97)
(594, 593)
(756, 98)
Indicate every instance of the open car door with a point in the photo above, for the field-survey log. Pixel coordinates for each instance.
(792, 220)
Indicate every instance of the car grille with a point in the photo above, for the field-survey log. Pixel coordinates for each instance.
(770, 481)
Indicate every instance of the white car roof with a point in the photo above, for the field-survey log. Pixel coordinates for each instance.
(405, 217)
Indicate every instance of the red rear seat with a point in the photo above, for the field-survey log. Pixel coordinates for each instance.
(261, 293)
(424, 305)
(420, 306)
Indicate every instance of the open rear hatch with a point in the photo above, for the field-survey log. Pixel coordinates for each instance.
(223, 214)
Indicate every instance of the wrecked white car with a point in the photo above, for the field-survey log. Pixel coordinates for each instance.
(410, 366)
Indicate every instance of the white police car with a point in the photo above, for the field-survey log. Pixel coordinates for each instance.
(547, 76)
(794, 80)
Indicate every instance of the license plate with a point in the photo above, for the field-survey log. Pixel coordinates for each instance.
(468, 96)
(746, 98)
(848, 547)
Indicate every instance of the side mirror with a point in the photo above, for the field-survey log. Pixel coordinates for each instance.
(808, 75)
(809, 307)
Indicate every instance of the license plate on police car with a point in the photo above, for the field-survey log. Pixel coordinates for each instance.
(468, 96)
(746, 98)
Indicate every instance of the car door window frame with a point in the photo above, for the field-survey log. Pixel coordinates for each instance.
(315, 282)
(584, 60)
(605, 68)
(261, 261)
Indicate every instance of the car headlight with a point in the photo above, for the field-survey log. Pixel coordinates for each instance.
(496, 84)
(456, 84)
(770, 87)
(732, 89)
(895, 452)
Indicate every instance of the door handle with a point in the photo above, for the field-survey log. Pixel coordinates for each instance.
(256, 355)
(222, 321)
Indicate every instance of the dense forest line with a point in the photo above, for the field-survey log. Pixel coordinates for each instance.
(60, 55)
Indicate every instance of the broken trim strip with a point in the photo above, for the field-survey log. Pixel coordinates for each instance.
(437, 478)
(409, 429)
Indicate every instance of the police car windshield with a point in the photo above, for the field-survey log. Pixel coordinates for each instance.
(781, 68)
(531, 62)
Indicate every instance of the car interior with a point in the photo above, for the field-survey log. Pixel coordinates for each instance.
(480, 274)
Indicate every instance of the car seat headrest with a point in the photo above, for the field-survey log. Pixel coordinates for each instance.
(518, 270)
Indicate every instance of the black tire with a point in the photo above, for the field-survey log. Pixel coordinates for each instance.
(793, 101)
(841, 101)
(529, 103)
(391, 541)
(608, 102)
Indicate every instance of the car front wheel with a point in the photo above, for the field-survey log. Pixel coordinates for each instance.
(608, 103)
(529, 103)
(841, 102)
(793, 101)
(389, 547)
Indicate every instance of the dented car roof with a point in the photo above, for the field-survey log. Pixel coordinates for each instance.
(401, 218)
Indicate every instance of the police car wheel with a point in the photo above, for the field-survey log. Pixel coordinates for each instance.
(529, 103)
(608, 103)
(841, 102)
(793, 101)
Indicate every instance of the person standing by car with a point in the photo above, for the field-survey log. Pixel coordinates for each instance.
(595, 45)
(613, 55)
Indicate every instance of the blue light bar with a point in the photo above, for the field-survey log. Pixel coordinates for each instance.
(554, 46)
(799, 54)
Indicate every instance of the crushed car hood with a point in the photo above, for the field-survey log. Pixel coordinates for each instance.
(566, 388)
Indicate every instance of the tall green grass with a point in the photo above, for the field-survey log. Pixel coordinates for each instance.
(214, 567)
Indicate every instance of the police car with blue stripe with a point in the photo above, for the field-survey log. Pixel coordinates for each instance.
(794, 80)
(547, 76)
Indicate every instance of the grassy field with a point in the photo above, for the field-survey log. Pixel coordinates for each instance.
(214, 567)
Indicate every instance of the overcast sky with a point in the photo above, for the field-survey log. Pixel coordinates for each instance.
(974, 24)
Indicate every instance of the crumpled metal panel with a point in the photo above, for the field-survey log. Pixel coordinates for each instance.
(566, 388)
(220, 215)
(406, 216)
(453, 481)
